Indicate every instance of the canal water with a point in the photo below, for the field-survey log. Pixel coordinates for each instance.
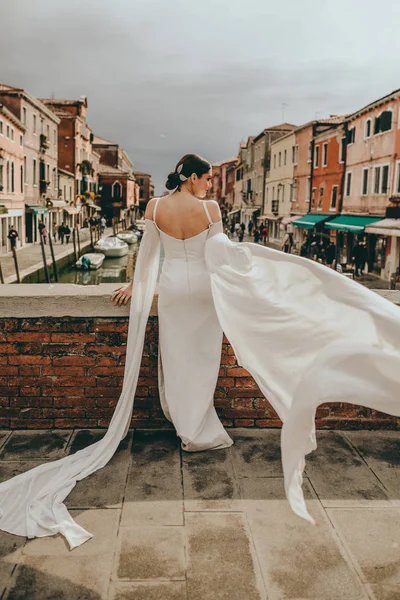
(113, 270)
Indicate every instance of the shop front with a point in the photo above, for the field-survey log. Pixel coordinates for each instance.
(386, 234)
(350, 229)
(34, 214)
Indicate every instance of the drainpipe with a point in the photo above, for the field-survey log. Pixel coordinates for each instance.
(342, 183)
(312, 166)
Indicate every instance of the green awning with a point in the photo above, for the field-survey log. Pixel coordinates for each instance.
(36, 209)
(309, 221)
(351, 223)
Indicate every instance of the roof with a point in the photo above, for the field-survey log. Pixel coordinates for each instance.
(224, 162)
(7, 113)
(141, 173)
(374, 104)
(107, 170)
(65, 172)
(9, 90)
(101, 141)
(281, 127)
(61, 101)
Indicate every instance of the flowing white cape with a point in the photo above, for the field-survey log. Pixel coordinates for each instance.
(306, 334)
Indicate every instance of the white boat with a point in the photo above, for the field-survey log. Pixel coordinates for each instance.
(111, 246)
(129, 237)
(91, 260)
(139, 224)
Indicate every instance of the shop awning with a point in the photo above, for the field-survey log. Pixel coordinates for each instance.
(93, 205)
(36, 209)
(351, 223)
(72, 210)
(233, 212)
(385, 227)
(56, 203)
(287, 220)
(309, 221)
(272, 217)
(3, 209)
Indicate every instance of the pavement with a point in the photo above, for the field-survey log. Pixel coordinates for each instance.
(30, 257)
(172, 525)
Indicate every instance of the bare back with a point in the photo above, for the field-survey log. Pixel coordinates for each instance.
(182, 215)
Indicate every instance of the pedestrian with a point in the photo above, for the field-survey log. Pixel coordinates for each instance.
(61, 232)
(243, 227)
(250, 227)
(67, 232)
(264, 233)
(305, 249)
(237, 228)
(330, 254)
(359, 258)
(12, 236)
(286, 243)
(256, 235)
(103, 224)
(44, 234)
(232, 228)
(241, 234)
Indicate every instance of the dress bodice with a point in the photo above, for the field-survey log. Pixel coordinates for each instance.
(192, 248)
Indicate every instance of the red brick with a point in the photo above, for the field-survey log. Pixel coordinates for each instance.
(246, 392)
(106, 371)
(237, 372)
(263, 423)
(68, 338)
(226, 381)
(31, 424)
(228, 360)
(74, 423)
(28, 336)
(79, 361)
(64, 371)
(63, 391)
(244, 422)
(29, 391)
(29, 360)
(8, 349)
(28, 370)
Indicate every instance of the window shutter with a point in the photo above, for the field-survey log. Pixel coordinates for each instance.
(386, 120)
(377, 125)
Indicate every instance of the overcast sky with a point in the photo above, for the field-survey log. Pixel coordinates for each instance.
(168, 77)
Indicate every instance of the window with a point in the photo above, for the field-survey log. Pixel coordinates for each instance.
(364, 184)
(8, 132)
(316, 156)
(274, 161)
(334, 197)
(397, 182)
(1, 177)
(383, 122)
(280, 158)
(48, 173)
(48, 133)
(25, 171)
(348, 184)
(21, 140)
(1, 128)
(308, 191)
(309, 151)
(368, 128)
(293, 154)
(34, 172)
(34, 124)
(381, 179)
(293, 192)
(54, 178)
(22, 179)
(342, 150)
(324, 155)
(24, 115)
(55, 137)
(41, 125)
(351, 135)
(12, 178)
(12, 134)
(321, 196)
(8, 176)
(284, 157)
(313, 197)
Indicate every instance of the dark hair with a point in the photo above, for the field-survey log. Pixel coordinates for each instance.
(191, 163)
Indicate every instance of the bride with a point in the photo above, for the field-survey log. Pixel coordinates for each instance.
(306, 334)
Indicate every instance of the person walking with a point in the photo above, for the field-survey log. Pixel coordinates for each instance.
(264, 233)
(359, 258)
(67, 232)
(250, 227)
(256, 235)
(12, 236)
(44, 234)
(61, 232)
(330, 254)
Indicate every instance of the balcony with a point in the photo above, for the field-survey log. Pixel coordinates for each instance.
(275, 207)
(44, 144)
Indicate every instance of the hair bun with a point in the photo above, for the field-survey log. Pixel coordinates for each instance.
(172, 181)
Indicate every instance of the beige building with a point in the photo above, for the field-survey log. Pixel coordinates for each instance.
(40, 155)
(12, 208)
(280, 188)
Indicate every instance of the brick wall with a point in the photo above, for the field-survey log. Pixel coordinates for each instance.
(63, 372)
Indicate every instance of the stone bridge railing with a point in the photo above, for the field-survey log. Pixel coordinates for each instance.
(62, 353)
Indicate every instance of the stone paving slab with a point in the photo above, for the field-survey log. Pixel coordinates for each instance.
(150, 553)
(220, 558)
(373, 538)
(154, 492)
(209, 481)
(172, 590)
(45, 444)
(105, 487)
(255, 454)
(340, 476)
(298, 560)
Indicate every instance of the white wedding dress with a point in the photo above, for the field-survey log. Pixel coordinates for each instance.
(307, 335)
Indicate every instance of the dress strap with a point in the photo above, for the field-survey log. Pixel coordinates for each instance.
(207, 213)
(154, 212)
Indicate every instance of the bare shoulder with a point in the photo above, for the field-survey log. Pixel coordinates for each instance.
(214, 210)
(150, 208)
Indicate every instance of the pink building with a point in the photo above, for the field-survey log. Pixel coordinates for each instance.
(12, 208)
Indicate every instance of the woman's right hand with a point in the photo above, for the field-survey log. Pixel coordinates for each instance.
(121, 295)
